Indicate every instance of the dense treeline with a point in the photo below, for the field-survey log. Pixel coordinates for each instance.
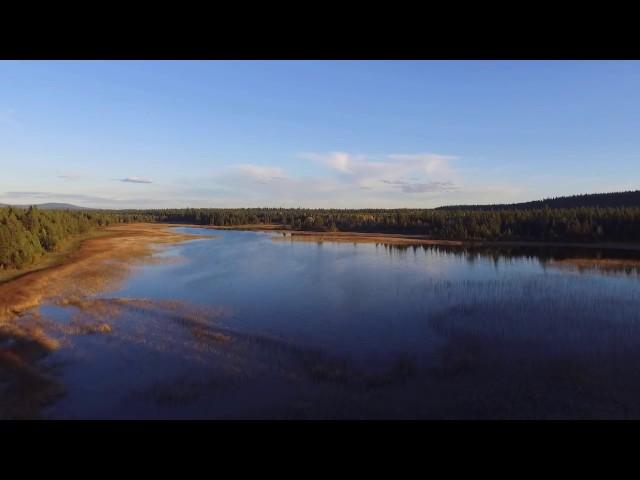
(602, 200)
(28, 233)
(574, 224)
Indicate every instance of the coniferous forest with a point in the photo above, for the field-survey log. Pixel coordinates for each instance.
(546, 224)
(28, 233)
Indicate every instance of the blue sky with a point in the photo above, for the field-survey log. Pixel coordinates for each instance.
(315, 133)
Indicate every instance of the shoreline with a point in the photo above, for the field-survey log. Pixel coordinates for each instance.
(133, 241)
(96, 262)
(52, 259)
(101, 263)
(408, 239)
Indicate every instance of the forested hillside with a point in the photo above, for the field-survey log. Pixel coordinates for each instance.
(26, 234)
(602, 200)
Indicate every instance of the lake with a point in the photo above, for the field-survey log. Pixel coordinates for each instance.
(244, 326)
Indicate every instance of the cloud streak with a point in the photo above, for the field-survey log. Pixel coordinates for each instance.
(135, 180)
(415, 187)
(72, 176)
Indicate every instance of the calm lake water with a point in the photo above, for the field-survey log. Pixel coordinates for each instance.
(242, 326)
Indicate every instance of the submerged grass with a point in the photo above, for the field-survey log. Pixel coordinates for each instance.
(87, 265)
(507, 349)
(25, 386)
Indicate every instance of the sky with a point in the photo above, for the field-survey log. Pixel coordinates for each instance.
(344, 134)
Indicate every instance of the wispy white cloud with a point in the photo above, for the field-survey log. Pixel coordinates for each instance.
(404, 170)
(135, 180)
(416, 187)
(72, 176)
(342, 180)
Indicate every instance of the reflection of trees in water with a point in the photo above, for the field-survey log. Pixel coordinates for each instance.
(583, 260)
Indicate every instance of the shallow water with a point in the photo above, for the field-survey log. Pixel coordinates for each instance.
(241, 326)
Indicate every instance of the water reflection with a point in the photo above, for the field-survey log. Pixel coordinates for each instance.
(245, 327)
(583, 260)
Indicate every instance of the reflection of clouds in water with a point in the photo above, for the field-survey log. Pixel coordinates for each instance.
(449, 335)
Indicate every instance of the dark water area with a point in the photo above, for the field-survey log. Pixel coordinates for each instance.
(242, 326)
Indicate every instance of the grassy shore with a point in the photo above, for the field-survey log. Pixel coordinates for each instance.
(54, 258)
(86, 266)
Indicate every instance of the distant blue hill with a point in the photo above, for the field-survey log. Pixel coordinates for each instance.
(616, 199)
(49, 206)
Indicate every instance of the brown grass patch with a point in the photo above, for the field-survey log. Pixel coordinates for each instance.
(203, 333)
(259, 227)
(286, 233)
(348, 237)
(85, 328)
(102, 308)
(604, 265)
(92, 315)
(99, 264)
